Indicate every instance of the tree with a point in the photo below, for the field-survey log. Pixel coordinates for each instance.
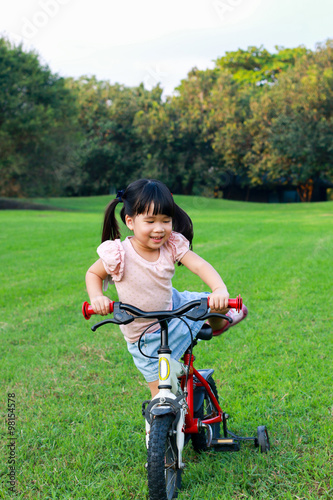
(256, 119)
(258, 66)
(176, 147)
(111, 152)
(37, 124)
(292, 126)
(228, 109)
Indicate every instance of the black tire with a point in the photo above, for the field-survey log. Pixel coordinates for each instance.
(164, 476)
(263, 439)
(199, 441)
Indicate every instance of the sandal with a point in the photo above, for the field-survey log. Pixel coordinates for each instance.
(236, 318)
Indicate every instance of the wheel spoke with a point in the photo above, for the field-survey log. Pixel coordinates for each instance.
(170, 483)
(170, 467)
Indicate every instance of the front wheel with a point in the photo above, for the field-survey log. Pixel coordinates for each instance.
(164, 476)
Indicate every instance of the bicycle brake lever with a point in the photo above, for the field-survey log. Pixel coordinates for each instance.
(217, 315)
(120, 317)
(114, 321)
(101, 323)
(198, 312)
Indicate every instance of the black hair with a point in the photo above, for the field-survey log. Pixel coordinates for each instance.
(137, 199)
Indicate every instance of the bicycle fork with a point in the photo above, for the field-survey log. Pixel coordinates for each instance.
(170, 399)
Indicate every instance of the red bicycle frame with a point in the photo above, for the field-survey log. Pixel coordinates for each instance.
(191, 423)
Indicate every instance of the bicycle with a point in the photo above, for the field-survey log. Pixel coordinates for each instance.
(186, 406)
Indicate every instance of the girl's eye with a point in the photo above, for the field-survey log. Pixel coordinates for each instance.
(166, 221)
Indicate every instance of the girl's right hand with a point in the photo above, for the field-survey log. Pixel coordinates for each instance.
(100, 304)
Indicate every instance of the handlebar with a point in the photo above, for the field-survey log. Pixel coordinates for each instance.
(88, 311)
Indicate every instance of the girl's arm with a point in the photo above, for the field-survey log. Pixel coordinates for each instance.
(94, 281)
(218, 299)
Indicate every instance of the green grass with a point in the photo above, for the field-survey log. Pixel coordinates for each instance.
(91, 204)
(79, 429)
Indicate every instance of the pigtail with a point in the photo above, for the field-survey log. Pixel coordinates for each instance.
(182, 223)
(111, 229)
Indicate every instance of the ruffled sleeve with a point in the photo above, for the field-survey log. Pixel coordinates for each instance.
(113, 257)
(178, 245)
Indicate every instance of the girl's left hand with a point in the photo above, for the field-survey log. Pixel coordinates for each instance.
(218, 300)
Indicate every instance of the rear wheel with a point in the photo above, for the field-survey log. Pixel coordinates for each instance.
(207, 410)
(164, 476)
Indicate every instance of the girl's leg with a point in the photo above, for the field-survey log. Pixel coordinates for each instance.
(153, 386)
(220, 325)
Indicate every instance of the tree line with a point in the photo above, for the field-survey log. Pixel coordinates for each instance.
(257, 119)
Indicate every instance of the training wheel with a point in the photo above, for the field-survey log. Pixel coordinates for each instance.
(263, 439)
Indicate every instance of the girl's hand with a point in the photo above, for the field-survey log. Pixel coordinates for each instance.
(218, 300)
(100, 304)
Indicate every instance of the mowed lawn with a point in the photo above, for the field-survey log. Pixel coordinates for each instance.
(79, 430)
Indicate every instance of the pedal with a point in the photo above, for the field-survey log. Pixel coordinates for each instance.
(225, 444)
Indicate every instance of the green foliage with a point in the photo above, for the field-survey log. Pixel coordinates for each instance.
(37, 124)
(231, 122)
(111, 152)
(177, 146)
(256, 119)
(292, 124)
(80, 433)
(258, 66)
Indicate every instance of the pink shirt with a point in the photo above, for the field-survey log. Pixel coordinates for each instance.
(146, 285)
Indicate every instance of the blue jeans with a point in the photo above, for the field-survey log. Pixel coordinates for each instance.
(179, 337)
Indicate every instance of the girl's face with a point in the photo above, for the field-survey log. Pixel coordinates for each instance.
(150, 231)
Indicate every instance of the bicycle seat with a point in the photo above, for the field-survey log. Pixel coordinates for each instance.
(206, 332)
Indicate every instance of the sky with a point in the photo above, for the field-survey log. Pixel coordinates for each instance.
(157, 41)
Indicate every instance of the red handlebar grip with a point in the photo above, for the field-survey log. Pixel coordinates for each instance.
(236, 303)
(88, 311)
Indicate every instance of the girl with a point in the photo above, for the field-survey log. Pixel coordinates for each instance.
(142, 266)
